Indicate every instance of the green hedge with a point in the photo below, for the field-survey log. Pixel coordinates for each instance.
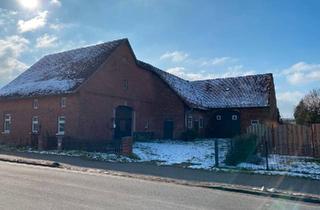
(243, 149)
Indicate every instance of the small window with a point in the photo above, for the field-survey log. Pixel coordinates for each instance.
(35, 124)
(147, 125)
(218, 117)
(189, 122)
(7, 123)
(61, 124)
(35, 103)
(201, 123)
(234, 117)
(125, 84)
(63, 102)
(254, 122)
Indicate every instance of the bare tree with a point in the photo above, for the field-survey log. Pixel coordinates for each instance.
(308, 109)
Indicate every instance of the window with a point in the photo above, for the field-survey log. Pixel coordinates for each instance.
(35, 124)
(7, 123)
(147, 125)
(35, 103)
(125, 84)
(189, 122)
(254, 122)
(234, 117)
(201, 123)
(63, 102)
(61, 124)
(218, 117)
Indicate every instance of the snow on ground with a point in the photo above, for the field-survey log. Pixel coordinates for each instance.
(196, 154)
(286, 165)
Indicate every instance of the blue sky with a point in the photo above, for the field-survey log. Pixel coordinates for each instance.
(192, 39)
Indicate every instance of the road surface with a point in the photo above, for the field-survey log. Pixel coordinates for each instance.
(31, 187)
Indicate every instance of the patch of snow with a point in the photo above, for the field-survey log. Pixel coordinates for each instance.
(286, 165)
(196, 154)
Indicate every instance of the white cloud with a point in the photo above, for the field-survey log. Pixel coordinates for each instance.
(290, 96)
(231, 72)
(181, 72)
(175, 56)
(57, 27)
(7, 16)
(287, 101)
(46, 41)
(302, 73)
(56, 3)
(10, 49)
(38, 21)
(216, 61)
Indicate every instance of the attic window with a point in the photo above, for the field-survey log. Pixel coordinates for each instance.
(35, 104)
(125, 84)
(63, 102)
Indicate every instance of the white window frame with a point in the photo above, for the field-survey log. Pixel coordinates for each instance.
(201, 122)
(35, 104)
(189, 122)
(7, 127)
(234, 117)
(35, 121)
(218, 117)
(61, 120)
(63, 102)
(254, 122)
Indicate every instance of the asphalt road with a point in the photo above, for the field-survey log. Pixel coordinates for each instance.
(31, 187)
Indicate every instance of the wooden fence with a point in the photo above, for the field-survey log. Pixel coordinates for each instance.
(288, 139)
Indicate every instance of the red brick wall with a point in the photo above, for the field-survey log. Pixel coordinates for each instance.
(89, 113)
(49, 109)
(151, 99)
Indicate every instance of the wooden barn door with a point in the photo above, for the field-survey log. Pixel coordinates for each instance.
(224, 124)
(123, 122)
(168, 129)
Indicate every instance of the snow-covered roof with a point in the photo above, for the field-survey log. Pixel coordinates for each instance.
(64, 72)
(61, 72)
(233, 92)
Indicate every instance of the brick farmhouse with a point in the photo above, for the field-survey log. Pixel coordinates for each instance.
(103, 93)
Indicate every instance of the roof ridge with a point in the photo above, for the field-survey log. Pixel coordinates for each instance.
(243, 76)
(88, 46)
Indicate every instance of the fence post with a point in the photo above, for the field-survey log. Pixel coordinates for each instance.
(267, 152)
(216, 153)
(312, 141)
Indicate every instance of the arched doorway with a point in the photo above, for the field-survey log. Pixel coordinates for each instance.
(224, 124)
(123, 122)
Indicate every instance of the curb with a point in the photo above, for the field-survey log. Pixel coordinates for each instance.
(309, 198)
(26, 161)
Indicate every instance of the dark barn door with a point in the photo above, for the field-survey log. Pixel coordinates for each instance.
(123, 122)
(168, 129)
(224, 124)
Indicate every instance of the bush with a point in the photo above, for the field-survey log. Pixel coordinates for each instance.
(244, 148)
(189, 135)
